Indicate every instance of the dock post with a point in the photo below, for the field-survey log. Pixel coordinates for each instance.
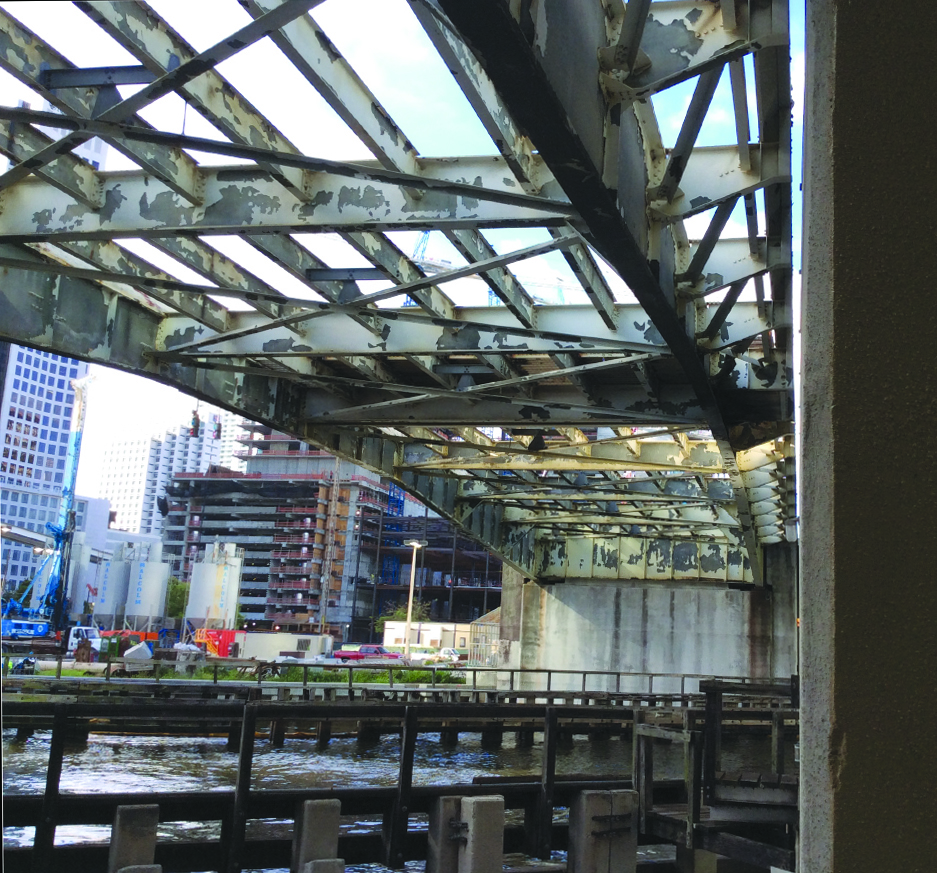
(323, 735)
(234, 736)
(524, 738)
(777, 743)
(442, 841)
(483, 848)
(133, 838)
(369, 732)
(712, 741)
(491, 736)
(277, 732)
(547, 778)
(315, 836)
(395, 824)
(602, 832)
(449, 735)
(44, 839)
(234, 844)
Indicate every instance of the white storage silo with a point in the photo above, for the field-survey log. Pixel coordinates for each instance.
(216, 583)
(146, 594)
(112, 588)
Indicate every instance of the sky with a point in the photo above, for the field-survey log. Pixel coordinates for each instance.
(420, 95)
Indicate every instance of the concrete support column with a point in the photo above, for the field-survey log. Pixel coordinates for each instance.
(315, 838)
(133, 838)
(869, 455)
(442, 851)
(603, 834)
(483, 849)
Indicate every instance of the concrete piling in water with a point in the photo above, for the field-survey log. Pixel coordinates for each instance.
(277, 732)
(483, 849)
(133, 839)
(449, 736)
(603, 832)
(523, 739)
(315, 838)
(323, 735)
(444, 835)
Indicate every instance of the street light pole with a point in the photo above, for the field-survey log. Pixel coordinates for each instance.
(416, 544)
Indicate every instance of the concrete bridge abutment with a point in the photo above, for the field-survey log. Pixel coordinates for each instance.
(652, 627)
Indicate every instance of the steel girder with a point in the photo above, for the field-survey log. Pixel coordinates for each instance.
(646, 440)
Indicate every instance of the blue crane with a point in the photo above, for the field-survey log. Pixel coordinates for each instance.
(50, 613)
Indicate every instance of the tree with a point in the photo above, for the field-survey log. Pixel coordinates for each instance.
(398, 612)
(177, 596)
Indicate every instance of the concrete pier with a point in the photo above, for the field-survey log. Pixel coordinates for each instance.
(603, 834)
(442, 844)
(315, 838)
(133, 839)
(483, 849)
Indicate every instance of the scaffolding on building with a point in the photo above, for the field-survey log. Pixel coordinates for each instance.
(456, 577)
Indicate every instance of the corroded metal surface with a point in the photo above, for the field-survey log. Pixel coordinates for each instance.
(609, 439)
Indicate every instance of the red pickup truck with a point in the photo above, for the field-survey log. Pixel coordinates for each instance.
(364, 652)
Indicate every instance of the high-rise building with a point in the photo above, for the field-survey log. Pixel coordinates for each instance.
(230, 452)
(326, 543)
(35, 419)
(294, 512)
(136, 472)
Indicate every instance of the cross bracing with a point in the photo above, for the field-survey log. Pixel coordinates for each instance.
(641, 430)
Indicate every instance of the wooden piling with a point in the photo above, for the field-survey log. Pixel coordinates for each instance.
(395, 826)
(235, 836)
(544, 829)
(44, 839)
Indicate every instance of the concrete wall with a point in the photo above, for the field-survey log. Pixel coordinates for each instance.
(869, 457)
(648, 628)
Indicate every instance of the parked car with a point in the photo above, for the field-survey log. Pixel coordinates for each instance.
(445, 656)
(364, 652)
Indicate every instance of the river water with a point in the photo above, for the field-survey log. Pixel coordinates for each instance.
(143, 764)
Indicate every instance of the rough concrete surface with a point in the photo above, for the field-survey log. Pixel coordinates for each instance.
(869, 459)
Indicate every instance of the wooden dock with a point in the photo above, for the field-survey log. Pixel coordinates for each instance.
(747, 816)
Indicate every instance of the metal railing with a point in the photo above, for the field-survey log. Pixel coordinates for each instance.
(509, 682)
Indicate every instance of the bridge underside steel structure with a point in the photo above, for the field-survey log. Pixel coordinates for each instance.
(643, 433)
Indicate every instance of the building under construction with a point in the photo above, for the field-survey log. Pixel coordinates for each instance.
(324, 541)
(455, 576)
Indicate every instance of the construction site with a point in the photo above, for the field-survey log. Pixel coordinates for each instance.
(325, 542)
